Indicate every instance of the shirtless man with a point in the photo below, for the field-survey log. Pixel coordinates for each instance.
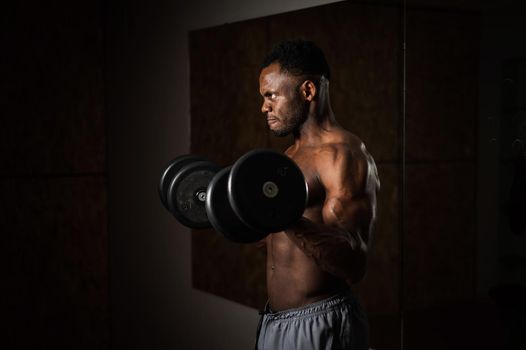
(311, 265)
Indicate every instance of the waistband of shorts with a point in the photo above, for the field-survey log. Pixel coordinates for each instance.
(310, 309)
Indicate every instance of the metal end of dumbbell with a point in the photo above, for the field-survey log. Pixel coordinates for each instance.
(200, 196)
(270, 189)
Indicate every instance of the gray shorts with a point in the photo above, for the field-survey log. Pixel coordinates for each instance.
(334, 323)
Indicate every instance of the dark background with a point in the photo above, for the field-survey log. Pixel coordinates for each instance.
(97, 97)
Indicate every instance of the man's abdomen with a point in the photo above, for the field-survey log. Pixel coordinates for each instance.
(294, 279)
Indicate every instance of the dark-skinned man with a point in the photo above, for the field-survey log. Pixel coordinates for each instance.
(312, 264)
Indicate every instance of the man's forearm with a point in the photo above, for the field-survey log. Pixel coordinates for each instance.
(335, 250)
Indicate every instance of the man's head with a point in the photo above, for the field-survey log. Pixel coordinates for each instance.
(288, 82)
(298, 58)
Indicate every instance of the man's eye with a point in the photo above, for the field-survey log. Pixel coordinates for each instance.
(270, 95)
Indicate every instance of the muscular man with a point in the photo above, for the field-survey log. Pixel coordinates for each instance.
(311, 265)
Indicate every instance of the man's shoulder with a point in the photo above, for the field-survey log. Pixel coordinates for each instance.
(347, 162)
(345, 147)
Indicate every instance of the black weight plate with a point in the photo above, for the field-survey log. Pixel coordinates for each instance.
(221, 214)
(267, 190)
(184, 190)
(169, 172)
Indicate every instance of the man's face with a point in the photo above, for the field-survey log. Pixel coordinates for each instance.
(283, 104)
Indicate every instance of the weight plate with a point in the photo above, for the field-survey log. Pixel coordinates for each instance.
(267, 190)
(169, 172)
(221, 214)
(187, 193)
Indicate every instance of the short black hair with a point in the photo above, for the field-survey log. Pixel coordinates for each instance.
(298, 57)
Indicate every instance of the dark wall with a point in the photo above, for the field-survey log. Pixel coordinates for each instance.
(53, 177)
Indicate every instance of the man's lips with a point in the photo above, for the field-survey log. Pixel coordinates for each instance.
(271, 120)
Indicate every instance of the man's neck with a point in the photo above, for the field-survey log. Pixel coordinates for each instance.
(318, 125)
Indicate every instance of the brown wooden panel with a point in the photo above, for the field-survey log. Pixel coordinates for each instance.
(54, 232)
(439, 237)
(442, 85)
(52, 90)
(360, 42)
(439, 213)
(379, 289)
(226, 123)
(225, 100)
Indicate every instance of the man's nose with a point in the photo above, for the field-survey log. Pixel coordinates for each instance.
(265, 107)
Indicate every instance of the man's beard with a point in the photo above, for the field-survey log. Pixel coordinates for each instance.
(294, 118)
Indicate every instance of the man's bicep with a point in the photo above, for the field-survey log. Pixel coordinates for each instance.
(346, 213)
(347, 205)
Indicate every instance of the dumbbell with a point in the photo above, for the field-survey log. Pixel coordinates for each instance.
(182, 189)
(264, 191)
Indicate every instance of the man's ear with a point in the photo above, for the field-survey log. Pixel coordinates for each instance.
(308, 90)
